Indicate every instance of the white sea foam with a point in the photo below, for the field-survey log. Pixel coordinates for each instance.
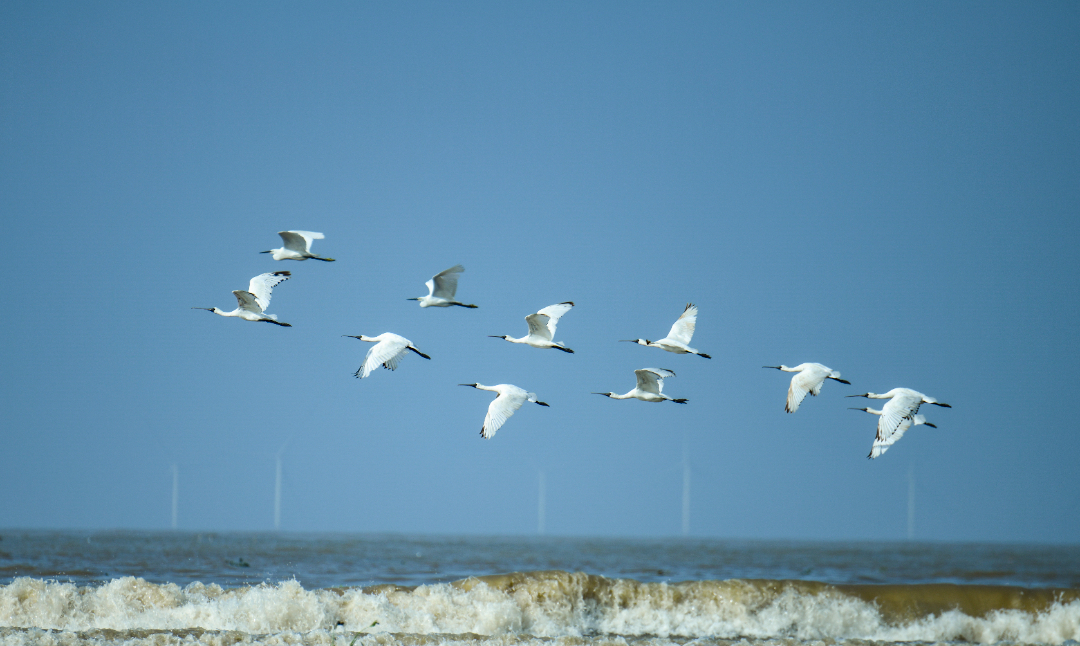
(507, 610)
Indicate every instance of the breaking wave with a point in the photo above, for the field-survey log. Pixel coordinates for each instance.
(524, 607)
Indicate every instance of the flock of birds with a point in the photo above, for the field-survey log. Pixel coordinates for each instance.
(898, 415)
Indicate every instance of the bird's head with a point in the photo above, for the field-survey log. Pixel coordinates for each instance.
(412, 299)
(469, 385)
(267, 251)
(499, 336)
(543, 404)
(779, 367)
(353, 336)
(862, 395)
(637, 341)
(208, 309)
(604, 394)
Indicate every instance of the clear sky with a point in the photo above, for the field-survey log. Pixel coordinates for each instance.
(890, 189)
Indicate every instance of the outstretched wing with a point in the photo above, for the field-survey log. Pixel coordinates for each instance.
(540, 325)
(501, 409)
(299, 241)
(385, 353)
(683, 329)
(899, 410)
(652, 379)
(246, 301)
(803, 383)
(262, 285)
(444, 283)
(884, 440)
(554, 313)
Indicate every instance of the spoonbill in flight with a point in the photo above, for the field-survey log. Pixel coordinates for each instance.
(809, 380)
(650, 387)
(902, 407)
(502, 407)
(387, 352)
(441, 289)
(882, 444)
(678, 339)
(542, 328)
(297, 246)
(252, 303)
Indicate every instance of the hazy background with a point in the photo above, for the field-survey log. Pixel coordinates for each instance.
(889, 189)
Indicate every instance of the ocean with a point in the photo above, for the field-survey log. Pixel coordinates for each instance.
(164, 588)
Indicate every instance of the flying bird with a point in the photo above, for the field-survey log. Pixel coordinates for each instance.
(882, 444)
(809, 380)
(441, 289)
(297, 246)
(542, 328)
(252, 303)
(678, 339)
(388, 350)
(898, 415)
(502, 407)
(650, 387)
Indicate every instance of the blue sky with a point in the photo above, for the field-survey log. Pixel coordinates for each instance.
(890, 190)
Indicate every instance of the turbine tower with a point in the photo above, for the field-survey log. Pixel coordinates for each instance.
(175, 493)
(686, 491)
(541, 503)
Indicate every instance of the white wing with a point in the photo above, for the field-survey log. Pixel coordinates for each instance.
(899, 409)
(554, 313)
(807, 381)
(540, 325)
(652, 379)
(299, 241)
(246, 301)
(683, 329)
(385, 353)
(883, 441)
(500, 410)
(262, 285)
(444, 283)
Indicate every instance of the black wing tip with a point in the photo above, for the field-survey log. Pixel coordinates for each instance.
(283, 273)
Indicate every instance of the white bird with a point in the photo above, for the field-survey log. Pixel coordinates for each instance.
(502, 407)
(441, 289)
(650, 387)
(808, 381)
(297, 246)
(902, 407)
(542, 328)
(387, 352)
(678, 339)
(882, 444)
(252, 303)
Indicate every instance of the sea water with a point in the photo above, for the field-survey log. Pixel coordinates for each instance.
(166, 588)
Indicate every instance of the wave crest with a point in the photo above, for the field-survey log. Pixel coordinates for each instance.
(561, 605)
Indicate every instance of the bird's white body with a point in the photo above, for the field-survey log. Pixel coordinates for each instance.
(882, 444)
(388, 350)
(898, 415)
(650, 387)
(807, 382)
(297, 246)
(678, 339)
(441, 289)
(251, 304)
(542, 328)
(502, 407)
